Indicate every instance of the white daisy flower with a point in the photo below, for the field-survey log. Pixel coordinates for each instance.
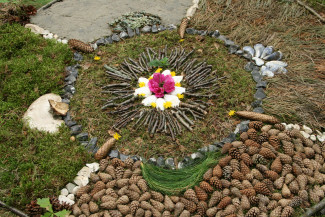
(178, 79)
(142, 91)
(143, 82)
(173, 99)
(148, 101)
(166, 72)
(178, 90)
(160, 104)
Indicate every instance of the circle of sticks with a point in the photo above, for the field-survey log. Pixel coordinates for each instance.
(199, 80)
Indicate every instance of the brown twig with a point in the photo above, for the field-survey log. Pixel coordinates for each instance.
(311, 10)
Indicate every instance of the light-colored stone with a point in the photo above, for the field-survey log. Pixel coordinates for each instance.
(94, 167)
(307, 129)
(306, 135)
(75, 189)
(70, 187)
(81, 181)
(71, 197)
(64, 192)
(64, 199)
(64, 41)
(289, 126)
(313, 138)
(296, 127)
(321, 138)
(35, 28)
(85, 171)
(191, 11)
(38, 115)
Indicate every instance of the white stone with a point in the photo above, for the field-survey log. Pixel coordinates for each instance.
(55, 36)
(46, 32)
(75, 189)
(289, 126)
(38, 115)
(319, 132)
(307, 129)
(35, 28)
(64, 199)
(258, 61)
(71, 197)
(94, 167)
(284, 124)
(70, 187)
(94, 46)
(191, 11)
(306, 135)
(313, 138)
(64, 192)
(296, 127)
(64, 41)
(59, 40)
(85, 171)
(81, 181)
(195, 2)
(321, 138)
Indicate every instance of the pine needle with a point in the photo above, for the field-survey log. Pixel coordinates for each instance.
(174, 182)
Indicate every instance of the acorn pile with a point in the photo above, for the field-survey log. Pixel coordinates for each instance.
(269, 172)
(118, 189)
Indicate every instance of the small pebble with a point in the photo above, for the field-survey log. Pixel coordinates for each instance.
(296, 126)
(313, 138)
(64, 192)
(306, 135)
(94, 167)
(72, 138)
(307, 129)
(70, 196)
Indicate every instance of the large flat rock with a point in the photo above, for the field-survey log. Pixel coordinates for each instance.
(39, 116)
(87, 20)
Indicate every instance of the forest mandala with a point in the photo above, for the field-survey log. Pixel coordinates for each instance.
(161, 91)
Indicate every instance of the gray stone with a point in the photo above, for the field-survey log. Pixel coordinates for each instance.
(256, 76)
(230, 138)
(67, 95)
(154, 29)
(213, 148)
(260, 94)
(77, 56)
(180, 165)
(67, 101)
(84, 144)
(243, 126)
(249, 67)
(239, 52)
(229, 43)
(70, 123)
(113, 154)
(216, 34)
(170, 163)
(100, 42)
(247, 56)
(115, 37)
(93, 141)
(196, 155)
(71, 89)
(146, 29)
(82, 136)
(261, 84)
(152, 161)
(161, 161)
(135, 158)
(67, 117)
(123, 157)
(171, 27)
(258, 110)
(76, 129)
(70, 79)
(161, 28)
(72, 71)
(202, 32)
(137, 31)
(124, 35)
(130, 31)
(218, 144)
(222, 38)
(257, 103)
(191, 31)
(233, 48)
(204, 149)
(70, 187)
(108, 40)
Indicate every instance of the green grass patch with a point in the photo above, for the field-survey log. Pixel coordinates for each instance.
(32, 164)
(174, 182)
(235, 93)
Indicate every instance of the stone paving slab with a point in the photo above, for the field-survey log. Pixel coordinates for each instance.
(87, 20)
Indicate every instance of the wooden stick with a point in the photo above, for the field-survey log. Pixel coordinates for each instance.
(311, 211)
(311, 10)
(12, 209)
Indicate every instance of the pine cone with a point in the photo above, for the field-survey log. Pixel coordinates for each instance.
(80, 46)
(34, 209)
(157, 205)
(83, 190)
(235, 165)
(211, 212)
(189, 205)
(234, 153)
(288, 148)
(257, 125)
(262, 188)
(137, 172)
(224, 202)
(253, 212)
(257, 116)
(294, 187)
(245, 204)
(238, 175)
(140, 212)
(157, 196)
(243, 136)
(143, 185)
(98, 187)
(252, 150)
(103, 163)
(85, 198)
(252, 134)
(280, 127)
(127, 174)
(236, 183)
(276, 165)
(254, 200)
(267, 153)
(263, 137)
(200, 193)
(225, 183)
(133, 195)
(175, 199)
(145, 196)
(134, 179)
(274, 141)
(94, 177)
(134, 206)
(249, 192)
(257, 174)
(119, 171)
(215, 198)
(287, 211)
(247, 159)
(244, 168)
(269, 184)
(93, 207)
(250, 142)
(202, 208)
(179, 207)
(225, 148)
(247, 184)
(262, 168)
(85, 209)
(123, 200)
(168, 203)
(115, 213)
(224, 161)
(182, 27)
(206, 186)
(99, 194)
(217, 171)
(295, 202)
(120, 183)
(191, 195)
(111, 171)
(145, 205)
(207, 175)
(105, 177)
(259, 159)
(57, 205)
(214, 181)
(227, 172)
(271, 175)
(287, 168)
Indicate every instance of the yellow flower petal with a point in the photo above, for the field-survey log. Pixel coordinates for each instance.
(180, 96)
(96, 58)
(158, 70)
(153, 104)
(173, 73)
(117, 136)
(181, 40)
(168, 104)
(150, 78)
(142, 94)
(178, 84)
(142, 84)
(231, 112)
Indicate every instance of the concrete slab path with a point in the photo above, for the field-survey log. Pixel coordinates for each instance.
(87, 20)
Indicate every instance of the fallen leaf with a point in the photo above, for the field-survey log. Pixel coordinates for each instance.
(86, 66)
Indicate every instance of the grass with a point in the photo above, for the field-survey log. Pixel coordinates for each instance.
(32, 164)
(236, 92)
(35, 3)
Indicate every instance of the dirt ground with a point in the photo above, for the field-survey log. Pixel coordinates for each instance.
(299, 95)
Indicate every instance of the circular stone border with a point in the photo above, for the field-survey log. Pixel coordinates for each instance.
(168, 163)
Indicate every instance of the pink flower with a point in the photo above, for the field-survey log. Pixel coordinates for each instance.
(160, 84)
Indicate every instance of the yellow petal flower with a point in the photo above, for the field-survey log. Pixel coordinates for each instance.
(158, 70)
(181, 40)
(153, 104)
(96, 58)
(142, 94)
(231, 112)
(150, 78)
(142, 84)
(178, 84)
(173, 73)
(168, 104)
(180, 96)
(117, 136)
